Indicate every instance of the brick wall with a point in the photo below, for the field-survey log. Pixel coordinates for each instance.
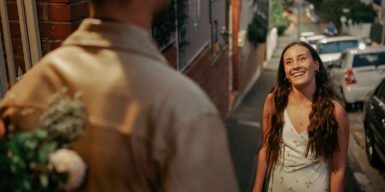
(213, 77)
(57, 20)
(250, 62)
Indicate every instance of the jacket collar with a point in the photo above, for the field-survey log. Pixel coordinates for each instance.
(113, 35)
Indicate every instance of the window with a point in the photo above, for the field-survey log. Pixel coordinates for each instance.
(218, 24)
(381, 58)
(364, 60)
(196, 33)
(338, 46)
(341, 62)
(380, 92)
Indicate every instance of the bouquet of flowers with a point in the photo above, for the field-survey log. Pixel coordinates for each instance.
(41, 160)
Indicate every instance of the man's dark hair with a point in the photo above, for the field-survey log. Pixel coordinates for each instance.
(101, 2)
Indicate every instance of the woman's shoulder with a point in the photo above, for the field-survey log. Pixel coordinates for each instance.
(340, 114)
(339, 108)
(269, 100)
(269, 103)
(270, 97)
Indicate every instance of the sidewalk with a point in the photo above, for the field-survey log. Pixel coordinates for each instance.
(244, 123)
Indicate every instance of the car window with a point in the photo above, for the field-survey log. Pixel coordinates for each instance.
(338, 46)
(381, 58)
(380, 92)
(341, 61)
(364, 60)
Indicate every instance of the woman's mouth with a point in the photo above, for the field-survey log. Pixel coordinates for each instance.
(297, 74)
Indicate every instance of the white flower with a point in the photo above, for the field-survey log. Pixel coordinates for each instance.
(65, 160)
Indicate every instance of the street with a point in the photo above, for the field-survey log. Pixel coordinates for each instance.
(244, 126)
(369, 178)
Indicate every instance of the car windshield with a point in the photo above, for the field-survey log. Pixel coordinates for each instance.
(337, 47)
(369, 59)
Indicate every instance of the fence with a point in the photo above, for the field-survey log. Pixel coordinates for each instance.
(30, 38)
(206, 20)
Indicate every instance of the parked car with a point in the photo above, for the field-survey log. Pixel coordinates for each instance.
(330, 30)
(306, 34)
(313, 40)
(357, 73)
(330, 49)
(374, 123)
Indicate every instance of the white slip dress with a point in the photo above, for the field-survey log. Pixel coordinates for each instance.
(294, 172)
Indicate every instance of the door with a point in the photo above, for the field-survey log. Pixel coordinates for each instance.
(378, 123)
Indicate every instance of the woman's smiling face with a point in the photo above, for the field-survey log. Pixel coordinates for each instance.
(300, 66)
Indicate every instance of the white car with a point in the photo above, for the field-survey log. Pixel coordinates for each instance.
(330, 49)
(313, 40)
(357, 73)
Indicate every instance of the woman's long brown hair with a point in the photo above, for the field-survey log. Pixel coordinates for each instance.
(322, 131)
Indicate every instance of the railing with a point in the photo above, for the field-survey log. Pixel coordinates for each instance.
(30, 38)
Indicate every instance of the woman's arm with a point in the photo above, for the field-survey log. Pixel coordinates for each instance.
(337, 163)
(262, 163)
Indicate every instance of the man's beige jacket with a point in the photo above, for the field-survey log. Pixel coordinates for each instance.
(148, 127)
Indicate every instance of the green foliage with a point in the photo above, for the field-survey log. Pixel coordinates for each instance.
(162, 30)
(278, 20)
(174, 18)
(257, 30)
(331, 11)
(24, 156)
(316, 3)
(182, 16)
(361, 13)
(376, 32)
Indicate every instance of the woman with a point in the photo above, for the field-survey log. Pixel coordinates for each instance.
(306, 132)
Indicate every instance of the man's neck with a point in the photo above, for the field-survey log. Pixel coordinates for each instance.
(137, 15)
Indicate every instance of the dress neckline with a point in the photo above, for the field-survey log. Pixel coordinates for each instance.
(286, 114)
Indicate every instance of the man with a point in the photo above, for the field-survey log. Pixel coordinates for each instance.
(148, 128)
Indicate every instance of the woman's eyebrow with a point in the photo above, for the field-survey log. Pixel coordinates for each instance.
(301, 55)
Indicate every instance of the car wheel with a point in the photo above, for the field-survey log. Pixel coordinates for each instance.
(348, 106)
(369, 148)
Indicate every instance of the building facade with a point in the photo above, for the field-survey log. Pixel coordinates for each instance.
(208, 55)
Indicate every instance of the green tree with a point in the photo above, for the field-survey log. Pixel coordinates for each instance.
(332, 11)
(361, 13)
(278, 20)
(257, 30)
